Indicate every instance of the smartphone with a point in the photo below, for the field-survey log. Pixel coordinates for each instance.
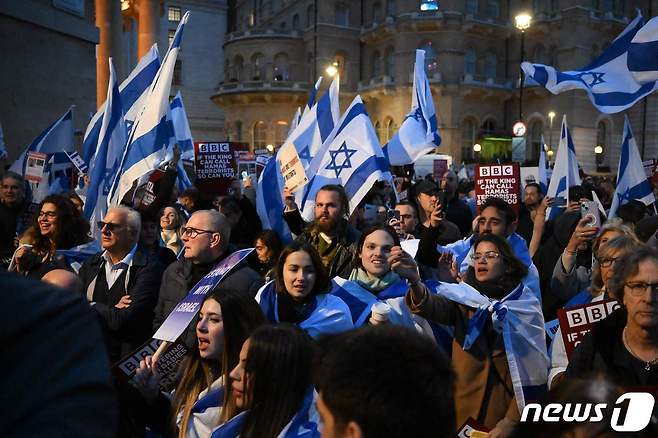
(590, 209)
(393, 214)
(559, 201)
(441, 197)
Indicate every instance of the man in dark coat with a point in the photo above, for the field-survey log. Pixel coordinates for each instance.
(12, 207)
(206, 238)
(330, 233)
(122, 283)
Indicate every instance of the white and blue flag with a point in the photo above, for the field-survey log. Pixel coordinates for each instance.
(295, 120)
(565, 171)
(182, 136)
(351, 157)
(632, 183)
(58, 137)
(150, 135)
(419, 132)
(134, 90)
(623, 74)
(541, 168)
(312, 96)
(106, 160)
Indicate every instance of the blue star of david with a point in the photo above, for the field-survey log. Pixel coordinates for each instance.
(597, 78)
(346, 164)
(305, 153)
(417, 115)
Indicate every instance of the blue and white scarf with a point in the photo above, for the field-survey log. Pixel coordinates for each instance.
(205, 412)
(304, 424)
(518, 316)
(326, 314)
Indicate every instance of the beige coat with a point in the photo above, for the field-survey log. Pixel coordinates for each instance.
(483, 387)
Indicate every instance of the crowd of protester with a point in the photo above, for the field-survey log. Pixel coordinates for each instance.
(408, 317)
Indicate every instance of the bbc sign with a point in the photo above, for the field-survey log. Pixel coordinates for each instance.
(214, 147)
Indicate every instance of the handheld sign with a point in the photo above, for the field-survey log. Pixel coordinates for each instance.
(77, 161)
(292, 169)
(169, 357)
(500, 181)
(186, 310)
(215, 166)
(577, 321)
(36, 162)
(472, 429)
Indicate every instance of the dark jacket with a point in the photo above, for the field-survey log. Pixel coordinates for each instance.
(348, 239)
(177, 282)
(459, 213)
(125, 329)
(10, 217)
(430, 237)
(603, 351)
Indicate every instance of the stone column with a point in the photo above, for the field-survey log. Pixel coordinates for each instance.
(147, 33)
(108, 21)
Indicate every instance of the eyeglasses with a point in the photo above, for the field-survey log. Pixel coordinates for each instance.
(193, 232)
(488, 256)
(639, 288)
(48, 214)
(111, 227)
(605, 262)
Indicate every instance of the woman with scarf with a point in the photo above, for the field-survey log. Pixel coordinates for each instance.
(272, 387)
(382, 275)
(299, 294)
(202, 400)
(170, 223)
(497, 322)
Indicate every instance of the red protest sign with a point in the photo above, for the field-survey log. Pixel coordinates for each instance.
(439, 168)
(500, 181)
(577, 321)
(148, 194)
(215, 165)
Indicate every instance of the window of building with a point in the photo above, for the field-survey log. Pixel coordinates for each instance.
(429, 5)
(376, 64)
(280, 69)
(472, 7)
(310, 16)
(283, 25)
(493, 8)
(468, 139)
(238, 131)
(238, 63)
(257, 62)
(171, 33)
(391, 129)
(173, 13)
(391, 8)
(470, 60)
(342, 15)
(178, 73)
(259, 135)
(251, 19)
(488, 127)
(377, 12)
(539, 6)
(389, 65)
(281, 132)
(536, 129)
(490, 65)
(295, 22)
(431, 58)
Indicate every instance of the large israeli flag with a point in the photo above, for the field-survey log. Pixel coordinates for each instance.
(617, 78)
(541, 167)
(57, 137)
(352, 158)
(150, 135)
(182, 136)
(134, 90)
(565, 171)
(313, 129)
(632, 181)
(106, 160)
(419, 132)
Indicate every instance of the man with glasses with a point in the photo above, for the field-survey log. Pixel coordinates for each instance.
(122, 282)
(206, 239)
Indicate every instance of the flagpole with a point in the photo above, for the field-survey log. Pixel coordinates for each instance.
(644, 110)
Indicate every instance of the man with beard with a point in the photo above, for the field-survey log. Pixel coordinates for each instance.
(330, 233)
(532, 197)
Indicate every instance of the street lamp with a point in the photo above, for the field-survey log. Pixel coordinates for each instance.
(551, 116)
(598, 150)
(270, 148)
(477, 148)
(332, 70)
(522, 22)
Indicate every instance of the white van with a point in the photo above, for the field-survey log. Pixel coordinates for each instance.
(425, 164)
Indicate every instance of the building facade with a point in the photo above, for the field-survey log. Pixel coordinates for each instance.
(275, 49)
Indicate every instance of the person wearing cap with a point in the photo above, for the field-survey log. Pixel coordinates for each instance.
(433, 226)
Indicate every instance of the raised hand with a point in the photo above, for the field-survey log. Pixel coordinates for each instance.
(403, 264)
(147, 379)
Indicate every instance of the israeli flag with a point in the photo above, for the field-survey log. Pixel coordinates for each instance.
(617, 78)
(295, 120)
(313, 129)
(419, 132)
(182, 134)
(106, 160)
(134, 90)
(57, 137)
(149, 137)
(312, 95)
(541, 168)
(632, 181)
(352, 158)
(77, 161)
(565, 171)
(463, 173)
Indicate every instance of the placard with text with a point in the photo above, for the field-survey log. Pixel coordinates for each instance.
(500, 181)
(215, 166)
(577, 321)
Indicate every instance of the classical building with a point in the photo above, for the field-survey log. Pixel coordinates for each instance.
(275, 49)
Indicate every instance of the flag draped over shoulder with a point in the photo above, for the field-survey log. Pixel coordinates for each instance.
(150, 134)
(351, 157)
(110, 149)
(623, 74)
(134, 90)
(565, 171)
(632, 181)
(419, 132)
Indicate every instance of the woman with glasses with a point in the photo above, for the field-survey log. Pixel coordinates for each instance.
(56, 225)
(298, 294)
(170, 223)
(624, 346)
(499, 348)
(609, 253)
